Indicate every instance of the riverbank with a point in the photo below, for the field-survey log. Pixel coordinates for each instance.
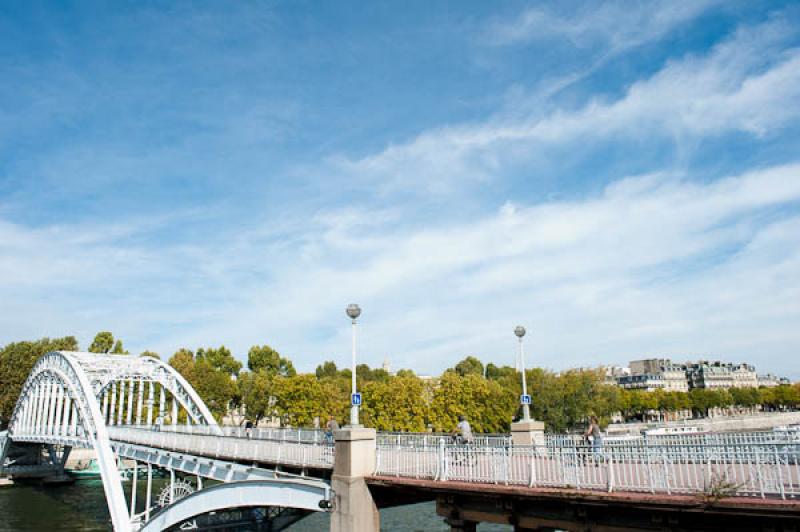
(764, 421)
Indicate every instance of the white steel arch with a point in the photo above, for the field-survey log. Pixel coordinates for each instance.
(70, 397)
(58, 384)
(302, 494)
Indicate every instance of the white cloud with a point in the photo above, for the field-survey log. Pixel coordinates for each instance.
(654, 265)
(614, 25)
(745, 84)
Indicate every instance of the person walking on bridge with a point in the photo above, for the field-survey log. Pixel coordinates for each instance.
(463, 432)
(593, 431)
(331, 426)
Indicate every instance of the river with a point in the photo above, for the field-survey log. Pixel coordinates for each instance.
(82, 507)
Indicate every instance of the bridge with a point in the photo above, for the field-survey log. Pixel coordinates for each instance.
(140, 410)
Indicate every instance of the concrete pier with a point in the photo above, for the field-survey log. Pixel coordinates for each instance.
(353, 505)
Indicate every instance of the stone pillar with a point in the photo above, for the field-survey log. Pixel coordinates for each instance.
(527, 433)
(353, 507)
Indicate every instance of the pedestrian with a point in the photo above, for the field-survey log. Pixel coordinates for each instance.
(593, 431)
(330, 427)
(463, 432)
(248, 429)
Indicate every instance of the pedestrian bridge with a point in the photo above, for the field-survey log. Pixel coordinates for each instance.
(141, 410)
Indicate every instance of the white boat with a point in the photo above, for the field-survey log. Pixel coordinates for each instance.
(679, 430)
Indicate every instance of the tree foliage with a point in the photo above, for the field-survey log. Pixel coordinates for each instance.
(16, 362)
(220, 359)
(264, 358)
(469, 366)
(103, 342)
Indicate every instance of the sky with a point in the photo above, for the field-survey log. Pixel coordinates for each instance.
(621, 178)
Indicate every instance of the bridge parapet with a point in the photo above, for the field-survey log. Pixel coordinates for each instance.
(302, 455)
(751, 470)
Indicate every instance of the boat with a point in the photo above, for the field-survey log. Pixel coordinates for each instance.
(85, 470)
(91, 470)
(679, 430)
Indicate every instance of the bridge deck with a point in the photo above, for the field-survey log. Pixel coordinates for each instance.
(571, 509)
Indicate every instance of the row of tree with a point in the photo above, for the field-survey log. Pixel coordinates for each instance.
(271, 388)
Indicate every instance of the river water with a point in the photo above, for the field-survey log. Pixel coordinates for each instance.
(82, 507)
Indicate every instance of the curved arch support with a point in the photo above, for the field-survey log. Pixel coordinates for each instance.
(58, 368)
(302, 494)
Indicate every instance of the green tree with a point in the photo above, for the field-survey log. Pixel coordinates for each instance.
(16, 362)
(501, 372)
(469, 366)
(220, 359)
(264, 358)
(256, 392)
(299, 399)
(396, 404)
(327, 369)
(214, 385)
(150, 354)
(487, 406)
(103, 343)
(118, 349)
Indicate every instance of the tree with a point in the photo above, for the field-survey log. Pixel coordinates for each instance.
(220, 359)
(299, 399)
(150, 354)
(396, 404)
(256, 390)
(405, 373)
(118, 349)
(263, 357)
(16, 362)
(469, 366)
(214, 385)
(487, 406)
(327, 369)
(103, 343)
(498, 373)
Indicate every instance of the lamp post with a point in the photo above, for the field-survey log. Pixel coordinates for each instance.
(353, 312)
(526, 411)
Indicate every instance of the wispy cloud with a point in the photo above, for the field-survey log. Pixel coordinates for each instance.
(613, 26)
(745, 84)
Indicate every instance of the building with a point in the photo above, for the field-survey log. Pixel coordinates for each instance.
(744, 376)
(769, 380)
(709, 375)
(671, 376)
(648, 382)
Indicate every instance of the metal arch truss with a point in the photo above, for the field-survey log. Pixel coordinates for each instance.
(70, 397)
(107, 371)
(57, 406)
(301, 494)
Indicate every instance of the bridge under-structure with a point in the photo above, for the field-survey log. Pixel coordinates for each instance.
(140, 410)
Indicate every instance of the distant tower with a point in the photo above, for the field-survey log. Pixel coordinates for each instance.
(386, 366)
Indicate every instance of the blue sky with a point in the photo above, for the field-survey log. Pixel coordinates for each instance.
(621, 178)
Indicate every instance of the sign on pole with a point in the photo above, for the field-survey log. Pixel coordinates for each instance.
(355, 399)
(525, 399)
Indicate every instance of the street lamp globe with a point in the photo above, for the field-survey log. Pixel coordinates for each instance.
(519, 331)
(353, 311)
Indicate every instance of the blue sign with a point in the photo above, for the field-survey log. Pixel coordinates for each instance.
(525, 399)
(355, 399)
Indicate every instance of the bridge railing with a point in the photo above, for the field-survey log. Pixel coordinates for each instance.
(697, 439)
(762, 470)
(426, 440)
(202, 443)
(291, 435)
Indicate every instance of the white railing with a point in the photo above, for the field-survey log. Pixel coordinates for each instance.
(293, 435)
(760, 470)
(202, 443)
(434, 439)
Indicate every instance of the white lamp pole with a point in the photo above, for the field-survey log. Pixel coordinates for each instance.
(353, 312)
(526, 411)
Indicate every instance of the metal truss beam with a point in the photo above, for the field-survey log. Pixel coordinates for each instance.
(309, 495)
